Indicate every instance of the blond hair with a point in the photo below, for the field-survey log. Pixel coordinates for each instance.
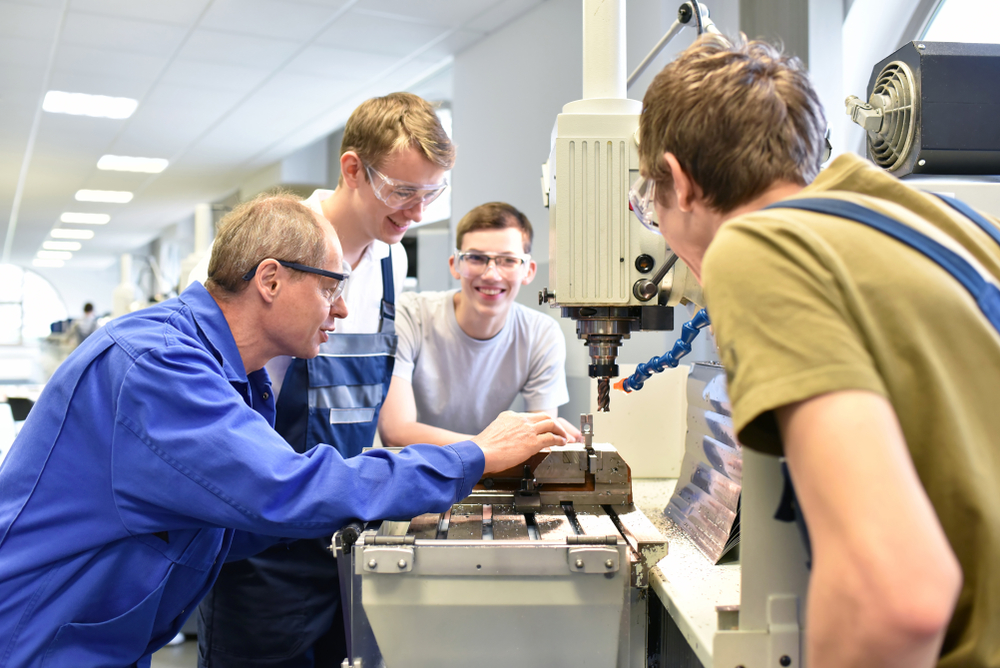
(383, 126)
(494, 216)
(738, 118)
(269, 226)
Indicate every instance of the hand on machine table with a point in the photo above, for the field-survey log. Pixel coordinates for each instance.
(513, 437)
(575, 435)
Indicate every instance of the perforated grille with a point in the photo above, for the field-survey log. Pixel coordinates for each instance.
(894, 92)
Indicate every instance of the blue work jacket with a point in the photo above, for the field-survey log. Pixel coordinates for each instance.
(148, 460)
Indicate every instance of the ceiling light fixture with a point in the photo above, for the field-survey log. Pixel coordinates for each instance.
(81, 104)
(85, 218)
(116, 196)
(53, 255)
(47, 263)
(70, 233)
(62, 245)
(125, 163)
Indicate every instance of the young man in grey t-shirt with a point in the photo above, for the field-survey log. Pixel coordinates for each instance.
(464, 355)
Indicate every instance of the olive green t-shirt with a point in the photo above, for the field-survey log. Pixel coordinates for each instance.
(803, 304)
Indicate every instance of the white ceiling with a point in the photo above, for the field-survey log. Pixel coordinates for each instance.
(225, 88)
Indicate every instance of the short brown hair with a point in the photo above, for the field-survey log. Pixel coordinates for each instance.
(269, 226)
(494, 216)
(738, 117)
(382, 126)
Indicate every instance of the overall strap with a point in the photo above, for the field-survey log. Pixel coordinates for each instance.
(971, 214)
(986, 294)
(387, 312)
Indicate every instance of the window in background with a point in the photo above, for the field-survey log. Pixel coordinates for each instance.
(440, 209)
(965, 21)
(28, 306)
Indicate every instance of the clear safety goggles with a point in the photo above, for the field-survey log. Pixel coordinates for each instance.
(473, 263)
(641, 199)
(331, 292)
(402, 194)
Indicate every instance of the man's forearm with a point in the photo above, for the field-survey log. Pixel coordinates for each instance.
(885, 579)
(847, 626)
(407, 433)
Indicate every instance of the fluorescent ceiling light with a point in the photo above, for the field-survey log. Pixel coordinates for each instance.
(125, 163)
(81, 104)
(47, 263)
(116, 196)
(62, 245)
(85, 218)
(53, 255)
(70, 233)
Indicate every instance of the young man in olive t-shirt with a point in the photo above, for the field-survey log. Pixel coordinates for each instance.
(870, 368)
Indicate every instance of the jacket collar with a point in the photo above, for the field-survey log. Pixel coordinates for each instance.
(213, 324)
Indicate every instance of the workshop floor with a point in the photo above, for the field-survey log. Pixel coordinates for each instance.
(184, 655)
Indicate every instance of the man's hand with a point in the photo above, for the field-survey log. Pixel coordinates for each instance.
(513, 437)
(574, 434)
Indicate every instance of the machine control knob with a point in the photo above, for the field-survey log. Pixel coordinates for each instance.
(544, 296)
(645, 289)
(372, 564)
(579, 563)
(401, 564)
(609, 564)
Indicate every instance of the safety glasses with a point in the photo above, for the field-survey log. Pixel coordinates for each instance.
(474, 263)
(332, 293)
(402, 194)
(641, 197)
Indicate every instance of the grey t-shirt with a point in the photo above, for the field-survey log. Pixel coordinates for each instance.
(461, 383)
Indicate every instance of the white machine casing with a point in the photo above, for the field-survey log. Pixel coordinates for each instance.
(594, 236)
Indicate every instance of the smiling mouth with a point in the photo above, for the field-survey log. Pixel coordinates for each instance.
(399, 226)
(491, 292)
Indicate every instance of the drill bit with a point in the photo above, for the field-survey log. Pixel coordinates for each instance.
(604, 394)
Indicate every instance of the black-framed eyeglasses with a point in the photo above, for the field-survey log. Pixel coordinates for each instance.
(332, 293)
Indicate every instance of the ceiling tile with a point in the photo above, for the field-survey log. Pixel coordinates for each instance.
(501, 13)
(442, 12)
(340, 64)
(211, 76)
(125, 36)
(171, 119)
(453, 44)
(27, 55)
(28, 21)
(20, 84)
(266, 18)
(178, 12)
(14, 144)
(81, 82)
(362, 32)
(104, 72)
(336, 4)
(213, 46)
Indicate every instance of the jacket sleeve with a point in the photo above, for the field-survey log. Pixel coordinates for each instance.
(189, 452)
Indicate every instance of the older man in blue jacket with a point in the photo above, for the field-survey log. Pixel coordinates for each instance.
(150, 457)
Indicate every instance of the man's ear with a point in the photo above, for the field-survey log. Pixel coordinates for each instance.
(352, 169)
(453, 268)
(530, 276)
(267, 281)
(686, 191)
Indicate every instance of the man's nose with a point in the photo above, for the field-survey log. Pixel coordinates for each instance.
(339, 308)
(492, 263)
(416, 212)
